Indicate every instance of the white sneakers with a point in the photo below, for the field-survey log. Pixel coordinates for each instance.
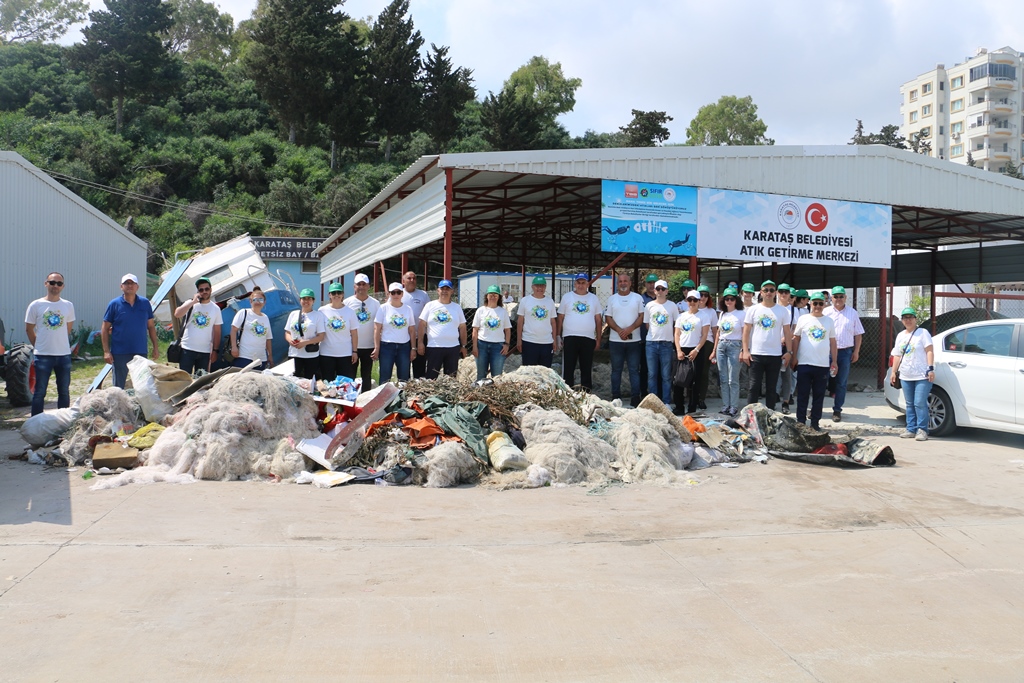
(907, 435)
(921, 435)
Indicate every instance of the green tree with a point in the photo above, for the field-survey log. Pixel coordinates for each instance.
(395, 68)
(889, 135)
(923, 305)
(1013, 171)
(544, 87)
(23, 21)
(647, 129)
(123, 51)
(446, 91)
(510, 122)
(200, 31)
(970, 159)
(730, 121)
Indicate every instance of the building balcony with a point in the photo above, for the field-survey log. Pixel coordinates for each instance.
(976, 130)
(1000, 82)
(992, 106)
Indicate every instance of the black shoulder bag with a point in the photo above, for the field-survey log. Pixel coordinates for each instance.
(238, 337)
(896, 368)
(174, 350)
(310, 348)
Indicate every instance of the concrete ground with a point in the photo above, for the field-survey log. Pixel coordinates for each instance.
(785, 572)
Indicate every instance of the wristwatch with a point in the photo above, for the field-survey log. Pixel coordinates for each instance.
(931, 368)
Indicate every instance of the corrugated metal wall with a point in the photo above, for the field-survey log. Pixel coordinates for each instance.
(45, 227)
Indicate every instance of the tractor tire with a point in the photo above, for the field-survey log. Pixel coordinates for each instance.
(21, 375)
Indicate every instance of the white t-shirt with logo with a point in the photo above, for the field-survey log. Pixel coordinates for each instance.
(443, 322)
(624, 310)
(51, 319)
(537, 315)
(914, 365)
(766, 337)
(492, 322)
(398, 323)
(814, 333)
(730, 326)
(338, 323)
(579, 312)
(689, 326)
(304, 326)
(366, 313)
(198, 333)
(416, 301)
(660, 320)
(255, 333)
(710, 318)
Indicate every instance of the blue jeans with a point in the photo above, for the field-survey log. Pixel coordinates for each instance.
(60, 366)
(394, 356)
(659, 369)
(242, 362)
(915, 393)
(728, 359)
(843, 357)
(628, 353)
(490, 357)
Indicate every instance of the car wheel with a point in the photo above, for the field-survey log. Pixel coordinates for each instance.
(941, 420)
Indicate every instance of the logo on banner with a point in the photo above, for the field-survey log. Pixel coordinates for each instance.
(789, 214)
(632, 191)
(816, 217)
(669, 194)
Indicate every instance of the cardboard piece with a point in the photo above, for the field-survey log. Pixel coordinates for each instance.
(114, 455)
(316, 450)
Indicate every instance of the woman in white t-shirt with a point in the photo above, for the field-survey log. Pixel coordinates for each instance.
(492, 333)
(914, 353)
(814, 352)
(394, 329)
(251, 334)
(304, 331)
(728, 344)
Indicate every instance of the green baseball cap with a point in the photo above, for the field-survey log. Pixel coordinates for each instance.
(652, 277)
(749, 287)
(202, 280)
(730, 291)
(908, 311)
(800, 294)
(839, 289)
(495, 289)
(307, 293)
(540, 280)
(818, 296)
(704, 288)
(766, 283)
(785, 287)
(335, 287)
(688, 284)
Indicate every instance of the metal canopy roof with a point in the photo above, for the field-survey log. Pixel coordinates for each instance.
(537, 208)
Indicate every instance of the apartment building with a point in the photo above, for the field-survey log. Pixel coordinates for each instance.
(970, 110)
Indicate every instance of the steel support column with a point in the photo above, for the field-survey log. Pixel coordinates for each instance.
(931, 291)
(883, 323)
(693, 272)
(449, 193)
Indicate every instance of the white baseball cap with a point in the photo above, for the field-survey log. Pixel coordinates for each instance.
(129, 277)
(395, 285)
(361, 277)
(661, 283)
(693, 294)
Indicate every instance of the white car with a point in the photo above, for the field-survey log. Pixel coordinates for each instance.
(979, 378)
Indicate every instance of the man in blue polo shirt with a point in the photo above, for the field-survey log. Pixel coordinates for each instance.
(125, 324)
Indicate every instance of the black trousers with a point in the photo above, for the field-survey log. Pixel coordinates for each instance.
(365, 368)
(811, 382)
(685, 396)
(442, 358)
(193, 360)
(419, 363)
(334, 366)
(578, 350)
(643, 367)
(307, 367)
(767, 368)
(703, 368)
(537, 354)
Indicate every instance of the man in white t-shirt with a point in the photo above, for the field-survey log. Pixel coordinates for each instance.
(537, 325)
(443, 324)
(765, 331)
(365, 307)
(814, 352)
(48, 323)
(338, 349)
(415, 299)
(200, 336)
(624, 315)
(849, 333)
(579, 325)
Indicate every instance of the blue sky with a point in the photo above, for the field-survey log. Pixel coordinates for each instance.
(812, 66)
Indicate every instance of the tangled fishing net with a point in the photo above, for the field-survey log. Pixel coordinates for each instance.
(568, 451)
(245, 426)
(101, 413)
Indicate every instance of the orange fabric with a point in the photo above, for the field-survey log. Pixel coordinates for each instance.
(422, 431)
(693, 427)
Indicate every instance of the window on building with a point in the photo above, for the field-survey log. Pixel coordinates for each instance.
(310, 267)
(942, 130)
(926, 88)
(913, 116)
(926, 110)
(979, 145)
(957, 82)
(1000, 72)
(956, 151)
(957, 105)
(957, 127)
(942, 85)
(1006, 146)
(913, 95)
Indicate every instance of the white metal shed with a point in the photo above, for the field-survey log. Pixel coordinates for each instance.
(45, 227)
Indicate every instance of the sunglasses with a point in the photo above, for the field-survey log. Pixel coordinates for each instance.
(838, 296)
(730, 298)
(817, 303)
(55, 283)
(337, 293)
(203, 289)
(397, 291)
(692, 299)
(768, 291)
(258, 301)
(908, 317)
(661, 289)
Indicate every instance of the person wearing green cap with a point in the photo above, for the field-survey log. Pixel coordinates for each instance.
(338, 350)
(797, 307)
(200, 336)
(728, 331)
(492, 334)
(765, 333)
(707, 313)
(537, 325)
(304, 331)
(624, 314)
(814, 351)
(915, 366)
(748, 291)
(579, 325)
(849, 332)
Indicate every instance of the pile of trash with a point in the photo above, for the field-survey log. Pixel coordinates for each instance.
(523, 429)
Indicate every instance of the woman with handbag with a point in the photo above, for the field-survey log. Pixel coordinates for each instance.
(915, 371)
(251, 336)
(691, 333)
(304, 331)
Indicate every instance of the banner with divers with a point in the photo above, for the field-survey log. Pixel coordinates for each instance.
(754, 226)
(644, 218)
